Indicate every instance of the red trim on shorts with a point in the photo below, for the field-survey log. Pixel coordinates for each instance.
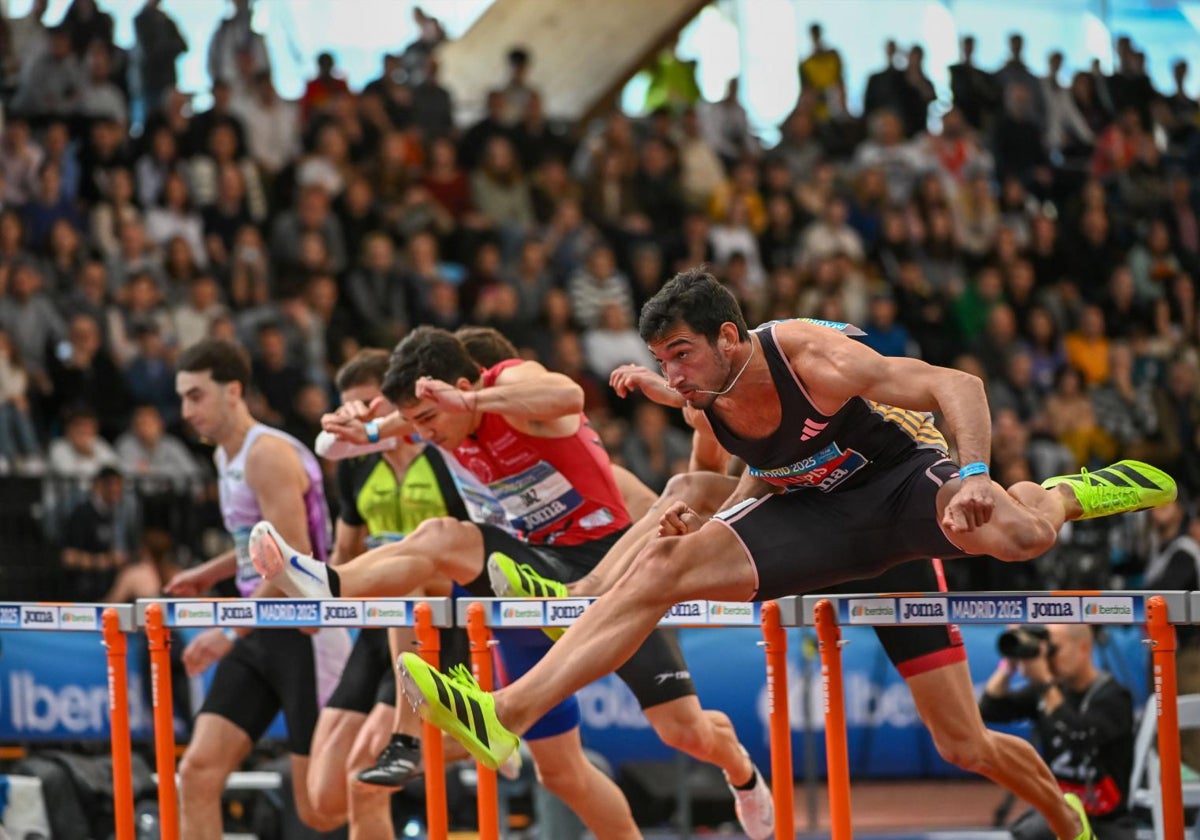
(950, 655)
(939, 569)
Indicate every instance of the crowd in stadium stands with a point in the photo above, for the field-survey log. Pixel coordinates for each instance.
(1046, 236)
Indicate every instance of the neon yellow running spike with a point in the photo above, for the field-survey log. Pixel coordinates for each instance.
(1121, 488)
(511, 579)
(1077, 807)
(458, 706)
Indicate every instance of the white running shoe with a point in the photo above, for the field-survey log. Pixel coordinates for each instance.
(755, 808)
(297, 574)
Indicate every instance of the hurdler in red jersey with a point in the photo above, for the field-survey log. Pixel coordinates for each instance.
(554, 491)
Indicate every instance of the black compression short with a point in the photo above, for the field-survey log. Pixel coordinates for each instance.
(918, 648)
(806, 540)
(272, 670)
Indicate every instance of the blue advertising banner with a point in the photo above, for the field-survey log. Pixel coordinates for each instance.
(885, 737)
(53, 687)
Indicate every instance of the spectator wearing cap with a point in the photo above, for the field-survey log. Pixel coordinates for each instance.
(98, 537)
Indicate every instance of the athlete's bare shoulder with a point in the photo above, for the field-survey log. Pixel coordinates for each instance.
(803, 340)
(271, 453)
(521, 372)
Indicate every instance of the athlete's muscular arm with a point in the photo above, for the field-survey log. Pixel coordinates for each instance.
(199, 579)
(836, 369)
(348, 421)
(532, 399)
(707, 454)
(627, 379)
(276, 474)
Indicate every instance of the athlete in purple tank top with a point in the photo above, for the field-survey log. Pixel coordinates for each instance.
(263, 473)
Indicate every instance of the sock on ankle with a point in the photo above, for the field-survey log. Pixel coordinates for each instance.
(335, 583)
(750, 784)
(407, 741)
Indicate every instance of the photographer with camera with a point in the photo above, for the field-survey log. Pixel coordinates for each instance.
(1083, 719)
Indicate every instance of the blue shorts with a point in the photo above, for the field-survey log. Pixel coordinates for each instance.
(519, 651)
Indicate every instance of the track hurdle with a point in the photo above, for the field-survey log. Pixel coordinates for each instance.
(161, 615)
(770, 617)
(113, 621)
(1160, 610)
(486, 788)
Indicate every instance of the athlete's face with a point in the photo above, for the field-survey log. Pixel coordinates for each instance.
(691, 364)
(436, 425)
(365, 394)
(206, 404)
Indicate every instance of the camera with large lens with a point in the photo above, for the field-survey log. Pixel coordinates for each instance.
(1024, 642)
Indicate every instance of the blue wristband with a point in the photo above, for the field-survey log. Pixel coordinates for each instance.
(372, 430)
(973, 468)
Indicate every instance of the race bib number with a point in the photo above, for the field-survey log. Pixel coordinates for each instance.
(823, 471)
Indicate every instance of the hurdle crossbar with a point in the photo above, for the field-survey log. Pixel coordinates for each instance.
(770, 617)
(112, 621)
(1160, 610)
(161, 615)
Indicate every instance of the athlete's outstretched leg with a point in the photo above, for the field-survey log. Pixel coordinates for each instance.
(565, 771)
(217, 748)
(704, 493)
(710, 563)
(370, 806)
(1027, 516)
(708, 735)
(945, 700)
(441, 546)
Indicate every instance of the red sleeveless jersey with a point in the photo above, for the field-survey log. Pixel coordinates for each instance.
(557, 491)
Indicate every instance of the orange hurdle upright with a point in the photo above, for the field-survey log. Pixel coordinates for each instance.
(836, 753)
(159, 642)
(775, 645)
(1166, 706)
(118, 724)
(487, 793)
(429, 646)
